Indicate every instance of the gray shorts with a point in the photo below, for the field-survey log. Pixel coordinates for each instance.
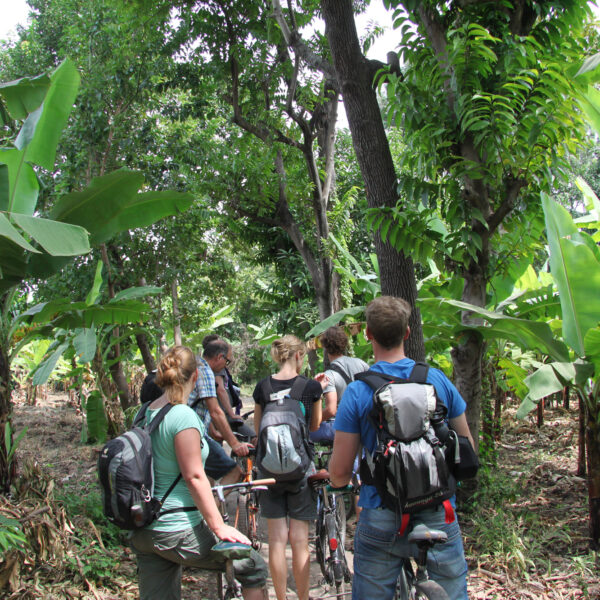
(297, 501)
(161, 555)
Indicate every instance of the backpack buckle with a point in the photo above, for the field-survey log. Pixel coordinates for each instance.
(146, 496)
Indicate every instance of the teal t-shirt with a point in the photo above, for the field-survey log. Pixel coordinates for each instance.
(166, 468)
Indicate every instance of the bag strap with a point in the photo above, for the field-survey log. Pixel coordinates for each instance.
(375, 380)
(298, 387)
(419, 373)
(338, 369)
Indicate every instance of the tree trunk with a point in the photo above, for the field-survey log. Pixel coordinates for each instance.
(145, 351)
(565, 397)
(176, 313)
(581, 453)
(592, 439)
(355, 76)
(6, 469)
(540, 413)
(112, 408)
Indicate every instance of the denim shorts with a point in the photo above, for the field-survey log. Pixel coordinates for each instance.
(161, 555)
(217, 463)
(379, 553)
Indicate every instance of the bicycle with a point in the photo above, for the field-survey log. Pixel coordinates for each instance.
(412, 584)
(331, 529)
(246, 511)
(227, 586)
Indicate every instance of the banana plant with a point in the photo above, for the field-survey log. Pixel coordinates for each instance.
(33, 113)
(82, 331)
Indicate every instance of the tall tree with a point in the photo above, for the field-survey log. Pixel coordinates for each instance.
(488, 119)
(354, 76)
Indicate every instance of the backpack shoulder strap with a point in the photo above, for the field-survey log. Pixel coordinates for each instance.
(419, 373)
(266, 388)
(374, 379)
(298, 387)
(338, 369)
(158, 418)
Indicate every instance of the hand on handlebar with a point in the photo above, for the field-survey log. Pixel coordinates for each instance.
(226, 533)
(241, 449)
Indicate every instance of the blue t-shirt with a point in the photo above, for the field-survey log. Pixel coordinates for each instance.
(353, 411)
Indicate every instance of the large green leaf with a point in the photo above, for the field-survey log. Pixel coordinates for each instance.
(8, 231)
(334, 320)
(64, 83)
(24, 95)
(44, 370)
(530, 335)
(96, 418)
(56, 238)
(84, 343)
(145, 209)
(95, 291)
(576, 272)
(137, 292)
(22, 182)
(590, 105)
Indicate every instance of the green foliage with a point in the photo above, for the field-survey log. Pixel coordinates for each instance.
(11, 536)
(11, 444)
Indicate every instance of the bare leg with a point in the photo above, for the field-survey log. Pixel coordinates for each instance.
(278, 537)
(255, 594)
(300, 556)
(233, 476)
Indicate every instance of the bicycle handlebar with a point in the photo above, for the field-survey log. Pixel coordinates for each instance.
(244, 484)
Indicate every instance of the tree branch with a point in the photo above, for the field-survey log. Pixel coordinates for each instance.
(294, 40)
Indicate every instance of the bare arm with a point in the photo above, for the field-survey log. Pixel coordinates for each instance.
(315, 417)
(189, 458)
(460, 425)
(345, 448)
(330, 405)
(223, 397)
(220, 421)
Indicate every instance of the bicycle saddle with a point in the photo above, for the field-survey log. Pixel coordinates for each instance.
(421, 533)
(232, 550)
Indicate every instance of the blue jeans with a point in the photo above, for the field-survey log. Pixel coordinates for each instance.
(379, 553)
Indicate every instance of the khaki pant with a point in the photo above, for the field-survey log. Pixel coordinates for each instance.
(161, 555)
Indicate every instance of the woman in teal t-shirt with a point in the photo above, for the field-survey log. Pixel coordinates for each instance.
(185, 537)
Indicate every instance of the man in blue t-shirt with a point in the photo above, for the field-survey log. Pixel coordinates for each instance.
(379, 549)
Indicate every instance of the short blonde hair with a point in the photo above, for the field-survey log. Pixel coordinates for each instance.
(176, 368)
(284, 348)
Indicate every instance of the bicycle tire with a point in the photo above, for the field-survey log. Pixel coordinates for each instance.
(240, 521)
(221, 586)
(403, 591)
(252, 521)
(321, 547)
(430, 590)
(340, 519)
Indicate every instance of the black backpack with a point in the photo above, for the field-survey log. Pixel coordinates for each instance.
(283, 451)
(126, 474)
(408, 468)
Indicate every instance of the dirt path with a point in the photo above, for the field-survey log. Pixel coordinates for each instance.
(545, 523)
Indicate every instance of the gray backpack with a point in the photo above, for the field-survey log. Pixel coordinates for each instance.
(283, 451)
(408, 467)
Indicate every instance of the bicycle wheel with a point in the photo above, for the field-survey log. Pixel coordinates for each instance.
(431, 590)
(252, 521)
(321, 547)
(340, 519)
(403, 587)
(240, 521)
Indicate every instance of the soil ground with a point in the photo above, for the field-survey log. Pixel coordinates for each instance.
(540, 553)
